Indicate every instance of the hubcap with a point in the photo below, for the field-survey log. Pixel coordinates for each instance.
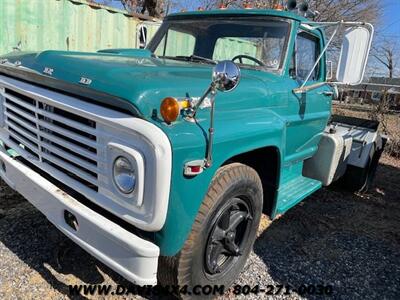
(228, 236)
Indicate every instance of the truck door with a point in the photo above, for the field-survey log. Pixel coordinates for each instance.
(308, 113)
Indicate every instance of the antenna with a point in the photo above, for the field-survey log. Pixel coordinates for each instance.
(303, 8)
(291, 5)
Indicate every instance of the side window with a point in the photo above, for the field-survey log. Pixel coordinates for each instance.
(307, 52)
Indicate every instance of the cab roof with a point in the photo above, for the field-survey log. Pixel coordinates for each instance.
(237, 12)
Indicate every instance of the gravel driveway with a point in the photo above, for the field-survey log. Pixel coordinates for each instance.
(351, 242)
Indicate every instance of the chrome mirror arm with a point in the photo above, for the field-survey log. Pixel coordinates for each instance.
(225, 78)
(208, 160)
(211, 89)
(302, 87)
(191, 114)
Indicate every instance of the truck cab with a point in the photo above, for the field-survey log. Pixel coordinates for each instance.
(161, 161)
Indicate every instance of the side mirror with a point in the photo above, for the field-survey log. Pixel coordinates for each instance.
(226, 76)
(354, 54)
(142, 36)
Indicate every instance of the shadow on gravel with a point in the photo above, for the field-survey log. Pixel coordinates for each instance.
(40, 245)
(351, 242)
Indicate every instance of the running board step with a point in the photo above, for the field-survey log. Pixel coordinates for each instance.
(294, 191)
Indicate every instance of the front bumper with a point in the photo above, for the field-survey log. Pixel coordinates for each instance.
(132, 257)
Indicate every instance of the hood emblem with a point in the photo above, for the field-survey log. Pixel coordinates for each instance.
(48, 71)
(85, 81)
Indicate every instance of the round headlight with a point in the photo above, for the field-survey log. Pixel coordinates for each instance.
(124, 175)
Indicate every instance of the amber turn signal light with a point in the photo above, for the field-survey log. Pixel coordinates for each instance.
(169, 109)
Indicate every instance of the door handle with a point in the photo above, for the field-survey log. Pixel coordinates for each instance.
(327, 93)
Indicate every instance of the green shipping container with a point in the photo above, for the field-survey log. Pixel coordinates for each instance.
(35, 25)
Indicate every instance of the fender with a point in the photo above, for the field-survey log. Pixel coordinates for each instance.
(236, 132)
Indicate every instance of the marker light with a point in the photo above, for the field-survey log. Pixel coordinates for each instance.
(279, 7)
(247, 5)
(169, 109)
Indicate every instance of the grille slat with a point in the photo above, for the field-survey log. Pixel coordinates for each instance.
(70, 168)
(30, 130)
(59, 138)
(70, 123)
(72, 147)
(14, 110)
(23, 141)
(72, 136)
(72, 158)
(21, 120)
(20, 103)
(22, 135)
(49, 126)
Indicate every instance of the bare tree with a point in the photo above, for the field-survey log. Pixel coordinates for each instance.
(347, 10)
(153, 7)
(330, 10)
(385, 55)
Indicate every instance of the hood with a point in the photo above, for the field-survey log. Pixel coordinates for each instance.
(137, 77)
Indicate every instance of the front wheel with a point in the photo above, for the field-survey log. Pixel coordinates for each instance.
(223, 233)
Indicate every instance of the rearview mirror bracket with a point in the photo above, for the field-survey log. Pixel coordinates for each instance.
(314, 25)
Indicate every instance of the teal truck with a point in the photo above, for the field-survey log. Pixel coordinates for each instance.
(160, 161)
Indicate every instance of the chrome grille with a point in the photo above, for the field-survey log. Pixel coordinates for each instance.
(54, 136)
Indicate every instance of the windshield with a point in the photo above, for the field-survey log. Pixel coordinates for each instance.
(250, 42)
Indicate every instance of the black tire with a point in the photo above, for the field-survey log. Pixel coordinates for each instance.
(239, 186)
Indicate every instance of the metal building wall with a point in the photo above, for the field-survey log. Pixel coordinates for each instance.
(230, 47)
(66, 25)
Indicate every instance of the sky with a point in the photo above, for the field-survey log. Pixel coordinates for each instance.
(390, 26)
(387, 28)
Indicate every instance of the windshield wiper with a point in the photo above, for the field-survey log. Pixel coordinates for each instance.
(193, 58)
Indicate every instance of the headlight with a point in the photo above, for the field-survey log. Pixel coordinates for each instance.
(124, 175)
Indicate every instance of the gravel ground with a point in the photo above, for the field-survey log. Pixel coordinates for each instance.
(348, 241)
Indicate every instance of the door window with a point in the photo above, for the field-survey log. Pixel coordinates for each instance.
(307, 53)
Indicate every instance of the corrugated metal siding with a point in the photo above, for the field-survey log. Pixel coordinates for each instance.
(66, 25)
(178, 43)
